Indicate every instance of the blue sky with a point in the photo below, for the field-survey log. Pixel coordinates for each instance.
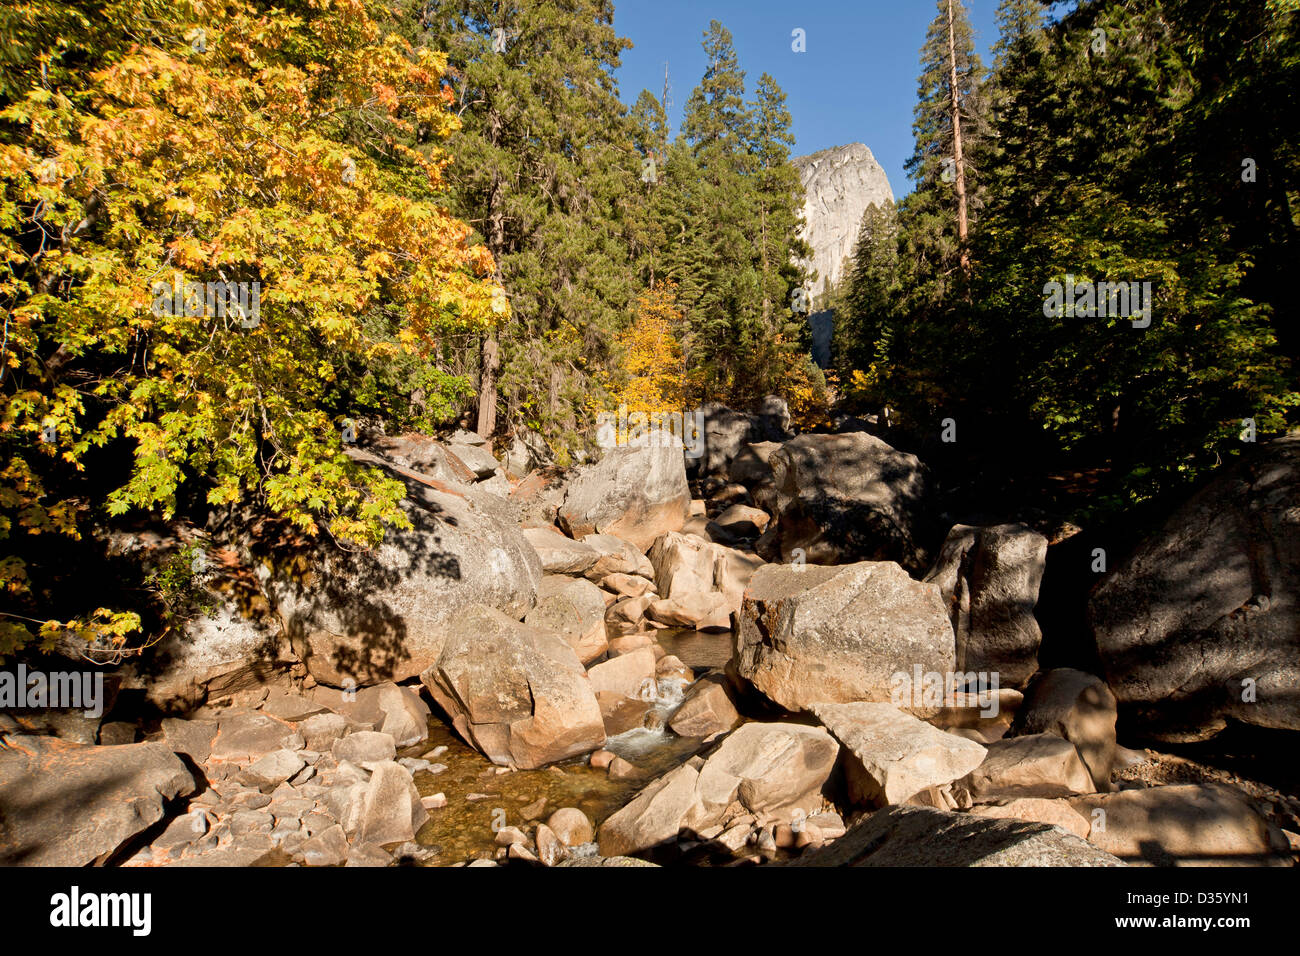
(855, 84)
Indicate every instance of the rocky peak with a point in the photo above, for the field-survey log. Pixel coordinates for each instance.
(839, 184)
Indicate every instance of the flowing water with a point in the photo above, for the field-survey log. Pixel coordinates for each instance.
(480, 799)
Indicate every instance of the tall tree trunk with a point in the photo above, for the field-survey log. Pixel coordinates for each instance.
(490, 351)
(959, 160)
(490, 364)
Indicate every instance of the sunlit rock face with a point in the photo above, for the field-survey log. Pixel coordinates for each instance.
(839, 183)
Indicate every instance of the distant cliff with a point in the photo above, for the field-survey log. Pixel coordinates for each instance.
(839, 184)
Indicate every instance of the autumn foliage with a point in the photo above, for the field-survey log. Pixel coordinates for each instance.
(144, 143)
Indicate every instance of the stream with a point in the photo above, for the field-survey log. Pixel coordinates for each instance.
(482, 797)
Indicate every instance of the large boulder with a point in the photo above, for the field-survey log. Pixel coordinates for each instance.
(517, 693)
(615, 556)
(383, 614)
(894, 756)
(66, 804)
(727, 432)
(686, 564)
(391, 811)
(560, 554)
(1201, 623)
(1077, 707)
(776, 772)
(751, 467)
(706, 709)
(920, 836)
(990, 578)
(423, 454)
(634, 492)
(574, 609)
(1037, 765)
(842, 498)
(1188, 825)
(811, 634)
(234, 643)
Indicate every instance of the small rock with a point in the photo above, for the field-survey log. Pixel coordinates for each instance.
(550, 851)
(365, 746)
(327, 848)
(571, 826)
(368, 854)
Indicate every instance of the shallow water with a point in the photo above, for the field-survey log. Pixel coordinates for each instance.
(466, 829)
(702, 650)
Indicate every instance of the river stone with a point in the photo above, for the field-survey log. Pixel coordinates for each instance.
(628, 675)
(560, 554)
(516, 693)
(68, 804)
(1201, 624)
(246, 736)
(607, 861)
(844, 498)
(812, 634)
(686, 565)
(921, 836)
(270, 771)
(574, 609)
(391, 811)
(290, 707)
(627, 614)
(895, 755)
(1037, 765)
(654, 816)
(634, 492)
(571, 826)
(365, 746)
(1078, 707)
(616, 557)
(627, 585)
(1184, 825)
(319, 731)
(384, 614)
(701, 611)
(990, 578)
(327, 848)
(705, 710)
(738, 523)
(406, 716)
(775, 771)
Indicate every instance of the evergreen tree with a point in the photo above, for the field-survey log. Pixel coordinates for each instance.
(546, 172)
(869, 292)
(950, 121)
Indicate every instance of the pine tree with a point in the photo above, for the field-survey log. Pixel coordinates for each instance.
(545, 171)
(869, 291)
(724, 305)
(950, 122)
